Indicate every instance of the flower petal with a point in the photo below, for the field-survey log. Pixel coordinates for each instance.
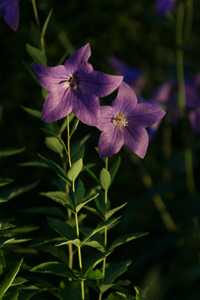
(103, 84)
(136, 139)
(57, 106)
(106, 115)
(110, 142)
(50, 77)
(125, 101)
(145, 115)
(79, 57)
(12, 14)
(86, 107)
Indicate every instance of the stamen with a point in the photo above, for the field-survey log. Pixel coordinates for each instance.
(73, 82)
(120, 120)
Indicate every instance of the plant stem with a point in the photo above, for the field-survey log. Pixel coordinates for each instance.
(79, 247)
(105, 232)
(68, 142)
(189, 171)
(35, 13)
(189, 18)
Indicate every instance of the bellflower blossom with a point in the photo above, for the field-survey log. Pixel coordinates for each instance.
(10, 10)
(164, 6)
(75, 87)
(124, 123)
(132, 76)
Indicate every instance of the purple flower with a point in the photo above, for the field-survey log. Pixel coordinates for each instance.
(164, 6)
(10, 10)
(132, 76)
(75, 87)
(124, 123)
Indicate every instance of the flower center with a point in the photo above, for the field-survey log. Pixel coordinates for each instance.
(73, 82)
(120, 120)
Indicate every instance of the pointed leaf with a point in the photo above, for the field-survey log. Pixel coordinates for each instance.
(62, 228)
(78, 208)
(79, 154)
(78, 144)
(33, 112)
(79, 192)
(15, 296)
(54, 267)
(33, 164)
(75, 242)
(46, 23)
(19, 280)
(126, 238)
(2, 259)
(92, 174)
(95, 244)
(112, 211)
(52, 210)
(100, 226)
(74, 127)
(56, 168)
(4, 181)
(115, 269)
(71, 290)
(8, 279)
(10, 151)
(104, 287)
(37, 55)
(94, 275)
(114, 169)
(35, 35)
(105, 178)
(93, 210)
(53, 144)
(13, 192)
(60, 200)
(75, 170)
(6, 226)
(92, 261)
(56, 136)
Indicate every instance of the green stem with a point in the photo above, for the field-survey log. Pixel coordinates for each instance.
(179, 56)
(35, 13)
(189, 171)
(79, 247)
(105, 231)
(68, 142)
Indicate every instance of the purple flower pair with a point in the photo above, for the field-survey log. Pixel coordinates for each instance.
(164, 6)
(10, 10)
(75, 87)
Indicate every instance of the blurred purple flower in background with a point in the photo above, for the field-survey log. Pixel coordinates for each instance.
(75, 87)
(164, 6)
(10, 10)
(132, 76)
(124, 123)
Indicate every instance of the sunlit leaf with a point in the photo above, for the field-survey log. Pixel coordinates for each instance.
(62, 228)
(126, 238)
(36, 54)
(4, 181)
(75, 170)
(10, 151)
(114, 210)
(33, 112)
(105, 178)
(54, 267)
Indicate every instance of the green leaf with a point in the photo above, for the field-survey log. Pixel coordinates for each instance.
(114, 169)
(56, 168)
(19, 280)
(141, 294)
(55, 251)
(92, 260)
(4, 181)
(29, 68)
(51, 210)
(6, 226)
(15, 296)
(100, 226)
(33, 112)
(62, 228)
(79, 154)
(126, 238)
(37, 55)
(75, 170)
(120, 296)
(56, 136)
(3, 200)
(54, 267)
(78, 144)
(2, 259)
(35, 35)
(33, 164)
(75, 242)
(79, 192)
(115, 269)
(94, 275)
(100, 203)
(93, 210)
(78, 208)
(53, 144)
(8, 279)
(92, 174)
(74, 127)
(114, 210)
(105, 179)
(71, 290)
(95, 244)
(104, 287)
(46, 23)
(59, 198)
(10, 151)
(16, 191)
